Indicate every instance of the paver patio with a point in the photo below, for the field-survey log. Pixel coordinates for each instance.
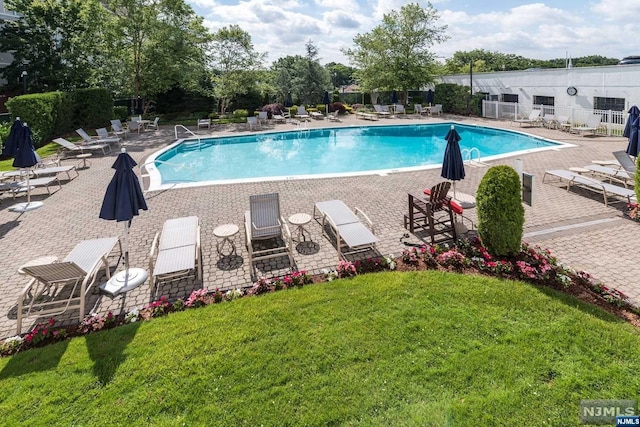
(576, 226)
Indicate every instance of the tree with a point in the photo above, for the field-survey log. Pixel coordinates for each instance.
(395, 54)
(283, 71)
(310, 79)
(341, 75)
(57, 43)
(154, 45)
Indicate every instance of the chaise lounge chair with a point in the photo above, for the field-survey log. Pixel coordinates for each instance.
(592, 184)
(81, 149)
(611, 174)
(301, 113)
(204, 123)
(252, 123)
(592, 126)
(436, 109)
(88, 140)
(350, 233)
(625, 161)
(382, 110)
(118, 128)
(176, 253)
(534, 119)
(78, 271)
(267, 234)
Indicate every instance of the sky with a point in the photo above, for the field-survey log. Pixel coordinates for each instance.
(544, 30)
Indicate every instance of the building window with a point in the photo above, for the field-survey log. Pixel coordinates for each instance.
(509, 97)
(544, 100)
(614, 104)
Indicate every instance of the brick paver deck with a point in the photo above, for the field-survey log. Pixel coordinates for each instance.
(576, 226)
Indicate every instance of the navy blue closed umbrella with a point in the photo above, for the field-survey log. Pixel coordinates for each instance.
(124, 197)
(25, 157)
(429, 97)
(11, 144)
(394, 97)
(634, 138)
(634, 113)
(288, 102)
(452, 164)
(326, 102)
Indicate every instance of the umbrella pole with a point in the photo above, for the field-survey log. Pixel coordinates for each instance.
(454, 190)
(126, 250)
(28, 188)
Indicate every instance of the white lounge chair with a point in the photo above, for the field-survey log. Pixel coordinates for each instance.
(252, 122)
(103, 135)
(263, 117)
(204, 123)
(436, 109)
(419, 110)
(317, 115)
(88, 140)
(79, 270)
(399, 109)
(534, 119)
(611, 174)
(333, 117)
(279, 118)
(301, 113)
(154, 124)
(176, 252)
(267, 234)
(382, 110)
(626, 162)
(592, 126)
(17, 188)
(351, 234)
(80, 149)
(592, 184)
(118, 128)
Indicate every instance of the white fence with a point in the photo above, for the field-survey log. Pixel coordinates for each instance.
(614, 120)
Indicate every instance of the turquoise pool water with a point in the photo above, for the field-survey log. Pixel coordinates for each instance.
(330, 152)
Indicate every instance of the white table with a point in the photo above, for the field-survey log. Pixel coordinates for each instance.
(299, 220)
(84, 158)
(226, 232)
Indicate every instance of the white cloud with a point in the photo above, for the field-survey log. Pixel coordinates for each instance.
(617, 10)
(346, 5)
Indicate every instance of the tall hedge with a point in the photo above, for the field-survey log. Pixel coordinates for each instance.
(500, 211)
(55, 113)
(47, 114)
(93, 108)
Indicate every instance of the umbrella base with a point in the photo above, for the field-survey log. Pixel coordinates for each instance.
(25, 207)
(122, 282)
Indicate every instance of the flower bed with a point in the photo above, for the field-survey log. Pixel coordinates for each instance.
(532, 264)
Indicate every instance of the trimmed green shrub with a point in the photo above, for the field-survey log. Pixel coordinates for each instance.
(121, 112)
(93, 108)
(47, 114)
(240, 114)
(500, 211)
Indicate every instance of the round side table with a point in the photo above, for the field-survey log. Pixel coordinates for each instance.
(299, 220)
(226, 232)
(579, 170)
(85, 163)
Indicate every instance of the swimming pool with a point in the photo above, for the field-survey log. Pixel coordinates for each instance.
(326, 152)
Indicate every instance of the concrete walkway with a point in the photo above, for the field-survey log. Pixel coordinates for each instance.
(576, 226)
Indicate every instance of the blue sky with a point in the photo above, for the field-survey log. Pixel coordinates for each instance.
(543, 30)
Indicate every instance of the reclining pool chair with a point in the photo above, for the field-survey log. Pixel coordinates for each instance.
(351, 234)
(267, 234)
(589, 183)
(76, 274)
(176, 252)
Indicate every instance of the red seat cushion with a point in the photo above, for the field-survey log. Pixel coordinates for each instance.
(455, 207)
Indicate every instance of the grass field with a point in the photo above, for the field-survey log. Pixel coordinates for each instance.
(401, 349)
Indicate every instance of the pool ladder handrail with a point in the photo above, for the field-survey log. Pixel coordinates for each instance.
(175, 131)
(467, 152)
(143, 167)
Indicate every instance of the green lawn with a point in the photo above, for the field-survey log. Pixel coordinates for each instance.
(44, 151)
(386, 349)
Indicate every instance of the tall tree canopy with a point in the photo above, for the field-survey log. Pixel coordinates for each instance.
(236, 64)
(57, 43)
(395, 54)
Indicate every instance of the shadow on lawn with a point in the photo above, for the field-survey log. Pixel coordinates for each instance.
(36, 360)
(106, 350)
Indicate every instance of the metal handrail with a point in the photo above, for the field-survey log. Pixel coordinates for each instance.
(467, 152)
(175, 131)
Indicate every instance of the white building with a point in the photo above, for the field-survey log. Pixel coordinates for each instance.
(609, 90)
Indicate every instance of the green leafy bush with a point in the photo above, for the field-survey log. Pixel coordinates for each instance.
(500, 211)
(121, 112)
(240, 114)
(93, 108)
(47, 114)
(4, 131)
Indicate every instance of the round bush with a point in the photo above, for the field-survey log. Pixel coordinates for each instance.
(500, 211)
